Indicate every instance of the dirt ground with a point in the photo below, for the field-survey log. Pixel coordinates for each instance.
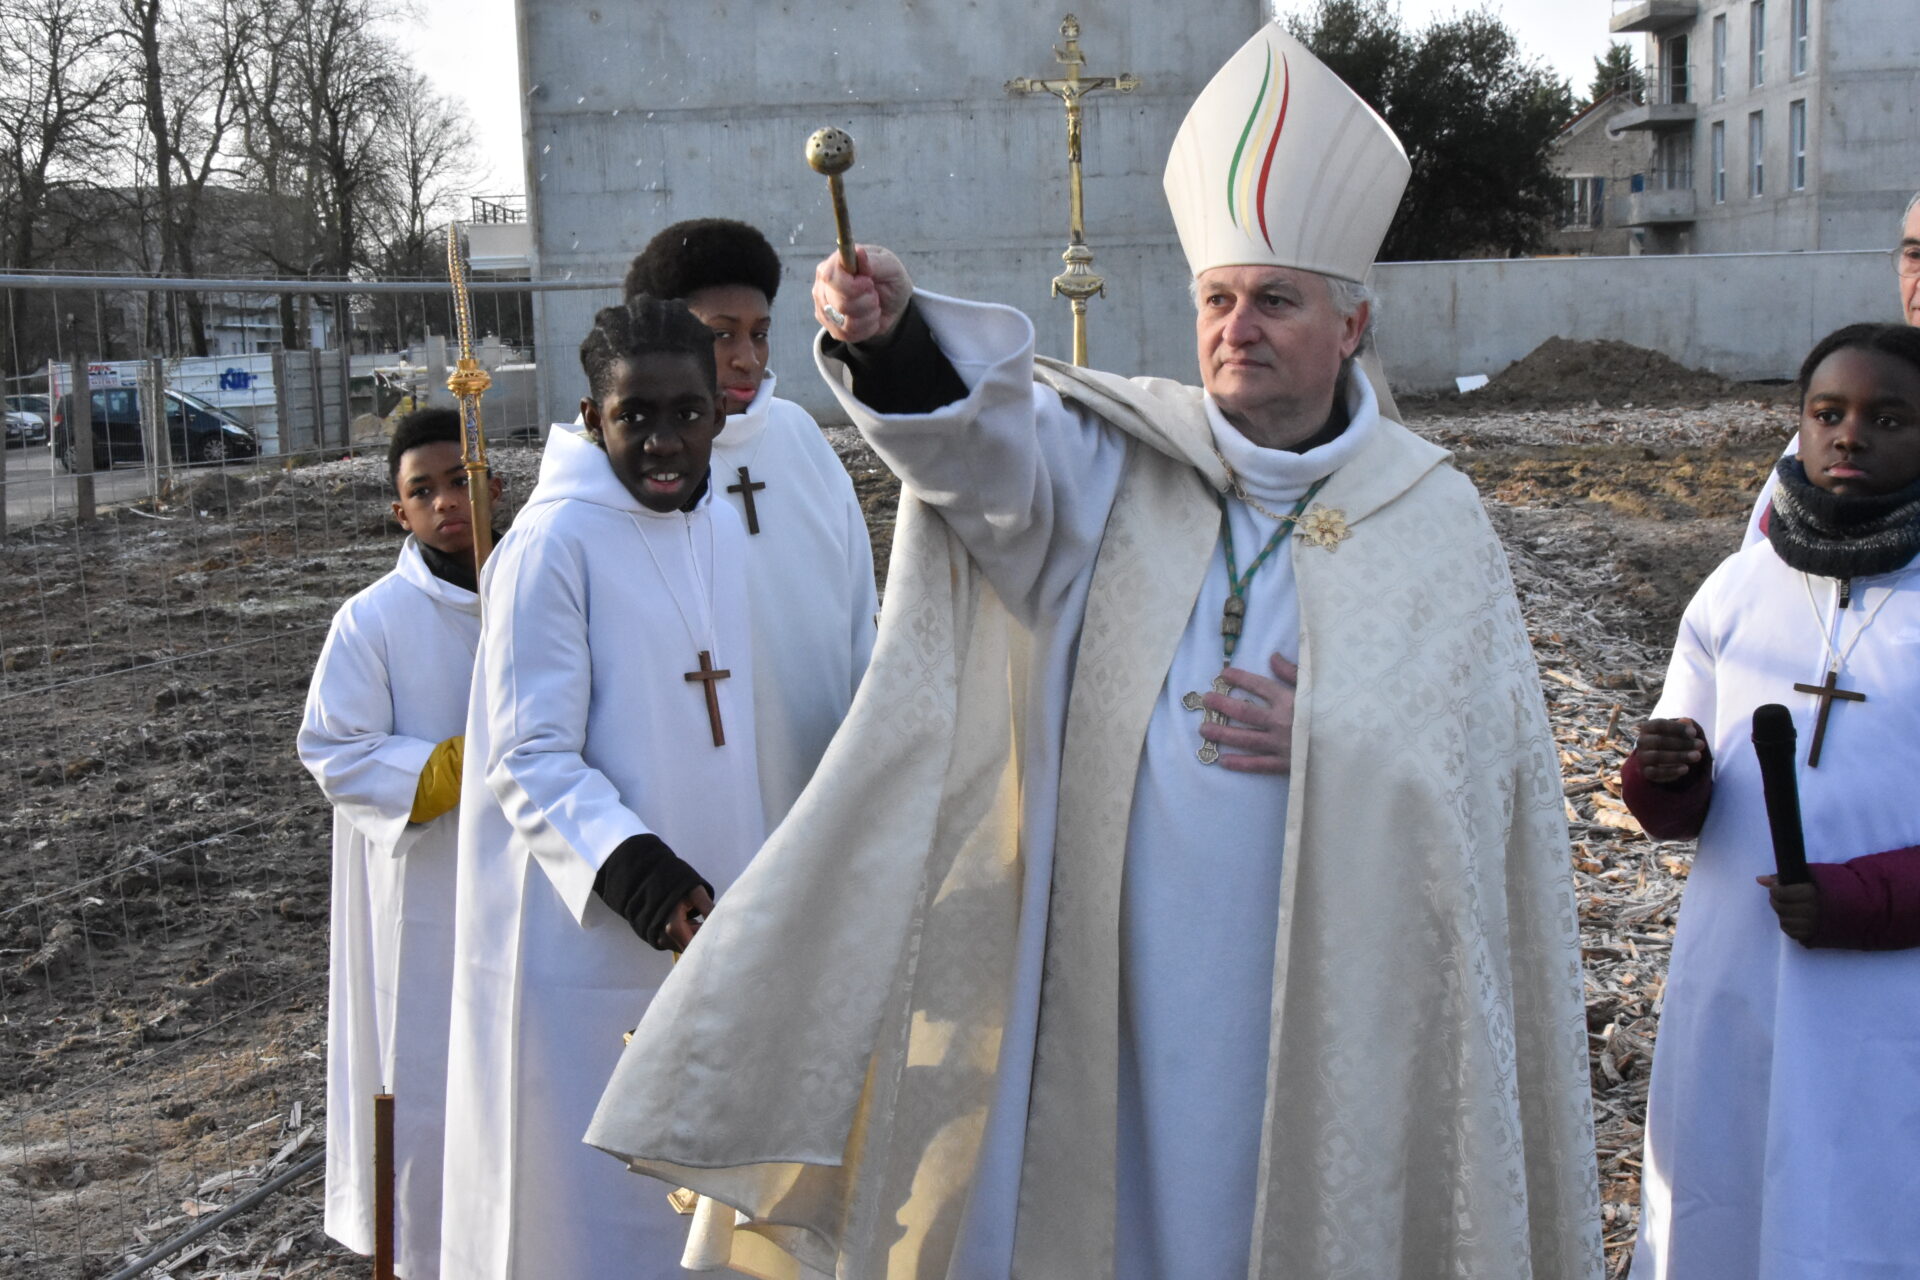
(164, 879)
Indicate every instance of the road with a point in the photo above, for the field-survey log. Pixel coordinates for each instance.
(37, 490)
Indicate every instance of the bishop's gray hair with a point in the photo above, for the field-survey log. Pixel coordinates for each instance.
(1911, 205)
(1348, 296)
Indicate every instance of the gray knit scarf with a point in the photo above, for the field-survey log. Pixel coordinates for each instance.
(1835, 536)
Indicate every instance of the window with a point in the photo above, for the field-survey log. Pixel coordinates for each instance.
(1756, 152)
(1719, 162)
(1757, 43)
(1674, 86)
(1585, 204)
(1673, 162)
(1797, 37)
(1719, 56)
(1797, 145)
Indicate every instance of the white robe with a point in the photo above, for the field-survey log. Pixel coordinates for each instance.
(583, 733)
(1783, 1125)
(1201, 903)
(391, 684)
(1760, 504)
(810, 580)
(924, 1111)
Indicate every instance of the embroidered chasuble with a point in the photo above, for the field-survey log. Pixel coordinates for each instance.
(931, 1078)
(583, 732)
(391, 684)
(1781, 1122)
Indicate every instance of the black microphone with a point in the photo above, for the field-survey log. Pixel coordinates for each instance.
(1774, 745)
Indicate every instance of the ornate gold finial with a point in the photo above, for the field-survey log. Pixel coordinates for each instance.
(830, 153)
(1079, 281)
(469, 382)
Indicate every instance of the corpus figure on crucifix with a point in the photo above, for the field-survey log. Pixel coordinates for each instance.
(1780, 1119)
(610, 746)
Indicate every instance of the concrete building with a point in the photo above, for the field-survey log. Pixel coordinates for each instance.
(1599, 163)
(644, 113)
(1776, 124)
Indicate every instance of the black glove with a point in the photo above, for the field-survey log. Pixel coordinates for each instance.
(642, 881)
(903, 372)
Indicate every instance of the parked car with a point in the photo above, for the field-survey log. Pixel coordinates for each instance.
(198, 431)
(25, 428)
(26, 420)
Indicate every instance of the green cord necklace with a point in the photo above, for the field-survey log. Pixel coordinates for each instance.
(1233, 614)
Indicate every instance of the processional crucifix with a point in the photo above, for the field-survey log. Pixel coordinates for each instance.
(1078, 282)
(469, 382)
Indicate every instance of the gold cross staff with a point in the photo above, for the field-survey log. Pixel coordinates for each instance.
(469, 382)
(1078, 282)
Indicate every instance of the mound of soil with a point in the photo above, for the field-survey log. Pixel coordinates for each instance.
(1560, 373)
(1614, 373)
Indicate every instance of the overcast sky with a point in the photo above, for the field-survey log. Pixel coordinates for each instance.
(467, 48)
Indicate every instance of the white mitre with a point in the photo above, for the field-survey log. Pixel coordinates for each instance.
(1278, 163)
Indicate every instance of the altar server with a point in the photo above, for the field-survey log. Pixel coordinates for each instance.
(382, 736)
(611, 760)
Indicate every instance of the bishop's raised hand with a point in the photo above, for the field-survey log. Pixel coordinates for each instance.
(867, 304)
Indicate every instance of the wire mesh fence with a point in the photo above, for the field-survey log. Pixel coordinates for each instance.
(164, 870)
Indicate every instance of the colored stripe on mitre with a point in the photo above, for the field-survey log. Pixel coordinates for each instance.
(1252, 168)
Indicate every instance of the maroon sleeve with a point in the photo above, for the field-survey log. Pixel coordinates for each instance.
(1870, 903)
(1669, 810)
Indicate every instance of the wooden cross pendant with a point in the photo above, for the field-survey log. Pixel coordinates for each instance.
(747, 487)
(707, 675)
(1209, 751)
(1827, 692)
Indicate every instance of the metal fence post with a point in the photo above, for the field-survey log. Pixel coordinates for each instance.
(346, 397)
(282, 407)
(317, 397)
(80, 439)
(153, 427)
(3, 463)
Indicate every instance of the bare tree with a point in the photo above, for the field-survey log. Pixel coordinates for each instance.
(318, 88)
(426, 163)
(188, 57)
(57, 100)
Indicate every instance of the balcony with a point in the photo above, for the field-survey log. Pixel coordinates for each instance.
(1669, 102)
(499, 246)
(1653, 16)
(1655, 115)
(1659, 207)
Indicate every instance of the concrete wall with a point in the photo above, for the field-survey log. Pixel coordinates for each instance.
(1743, 316)
(644, 113)
(1868, 162)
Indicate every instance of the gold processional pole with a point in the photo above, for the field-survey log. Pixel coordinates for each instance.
(469, 382)
(1078, 282)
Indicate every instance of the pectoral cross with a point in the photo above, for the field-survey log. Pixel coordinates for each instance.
(707, 675)
(1827, 692)
(747, 487)
(1209, 751)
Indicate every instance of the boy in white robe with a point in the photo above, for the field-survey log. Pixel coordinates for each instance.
(382, 737)
(1783, 1134)
(809, 561)
(611, 755)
